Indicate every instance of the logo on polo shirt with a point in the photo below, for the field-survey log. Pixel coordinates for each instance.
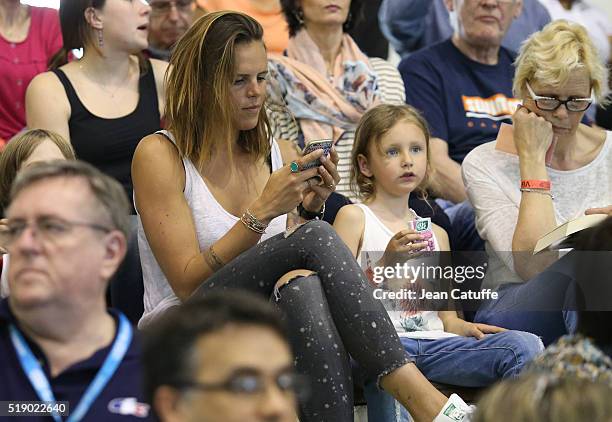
(128, 406)
(498, 107)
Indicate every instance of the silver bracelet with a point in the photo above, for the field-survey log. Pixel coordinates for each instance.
(540, 191)
(252, 223)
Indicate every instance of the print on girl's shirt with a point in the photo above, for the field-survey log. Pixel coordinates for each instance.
(407, 314)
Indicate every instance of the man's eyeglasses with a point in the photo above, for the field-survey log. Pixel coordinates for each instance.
(504, 2)
(50, 229)
(253, 385)
(161, 7)
(551, 103)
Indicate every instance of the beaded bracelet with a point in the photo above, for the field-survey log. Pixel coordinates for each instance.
(213, 260)
(252, 223)
(540, 191)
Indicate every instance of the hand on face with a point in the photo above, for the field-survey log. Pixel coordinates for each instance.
(533, 135)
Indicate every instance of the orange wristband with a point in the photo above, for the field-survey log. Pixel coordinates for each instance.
(535, 184)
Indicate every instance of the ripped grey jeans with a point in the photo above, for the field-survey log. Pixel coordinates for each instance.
(330, 315)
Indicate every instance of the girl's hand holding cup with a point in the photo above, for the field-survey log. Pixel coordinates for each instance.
(404, 245)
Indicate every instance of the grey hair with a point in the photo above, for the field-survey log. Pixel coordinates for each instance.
(108, 192)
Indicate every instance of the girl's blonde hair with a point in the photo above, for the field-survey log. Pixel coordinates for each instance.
(550, 55)
(19, 149)
(546, 398)
(374, 124)
(198, 105)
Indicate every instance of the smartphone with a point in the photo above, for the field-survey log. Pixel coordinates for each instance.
(324, 144)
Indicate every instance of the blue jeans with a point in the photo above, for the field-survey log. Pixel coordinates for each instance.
(460, 361)
(543, 305)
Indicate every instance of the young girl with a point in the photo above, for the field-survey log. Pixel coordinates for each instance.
(390, 161)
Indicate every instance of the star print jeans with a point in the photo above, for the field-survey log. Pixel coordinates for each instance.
(331, 314)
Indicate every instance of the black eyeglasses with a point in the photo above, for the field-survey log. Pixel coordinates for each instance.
(551, 103)
(160, 7)
(254, 385)
(50, 229)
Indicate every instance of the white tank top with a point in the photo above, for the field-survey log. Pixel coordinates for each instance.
(407, 321)
(211, 221)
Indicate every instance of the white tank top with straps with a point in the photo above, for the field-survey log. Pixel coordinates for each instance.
(211, 221)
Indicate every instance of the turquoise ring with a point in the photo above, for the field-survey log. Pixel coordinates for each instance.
(294, 167)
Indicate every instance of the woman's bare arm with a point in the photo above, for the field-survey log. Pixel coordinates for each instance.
(47, 106)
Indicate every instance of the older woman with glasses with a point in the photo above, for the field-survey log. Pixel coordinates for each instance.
(562, 170)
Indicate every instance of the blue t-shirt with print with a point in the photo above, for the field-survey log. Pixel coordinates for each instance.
(463, 101)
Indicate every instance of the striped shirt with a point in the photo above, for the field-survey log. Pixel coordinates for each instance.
(285, 127)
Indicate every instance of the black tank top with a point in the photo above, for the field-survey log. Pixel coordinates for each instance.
(109, 144)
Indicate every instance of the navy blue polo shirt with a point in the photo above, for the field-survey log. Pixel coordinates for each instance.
(122, 394)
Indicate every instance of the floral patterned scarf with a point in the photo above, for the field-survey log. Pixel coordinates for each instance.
(324, 106)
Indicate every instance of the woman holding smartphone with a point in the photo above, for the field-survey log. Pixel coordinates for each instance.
(212, 195)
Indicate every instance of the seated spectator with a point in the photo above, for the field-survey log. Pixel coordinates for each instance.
(168, 21)
(267, 12)
(463, 86)
(558, 74)
(597, 24)
(29, 37)
(222, 358)
(325, 83)
(390, 163)
(107, 101)
(67, 228)
(410, 25)
(546, 398)
(190, 189)
(25, 149)
(595, 20)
